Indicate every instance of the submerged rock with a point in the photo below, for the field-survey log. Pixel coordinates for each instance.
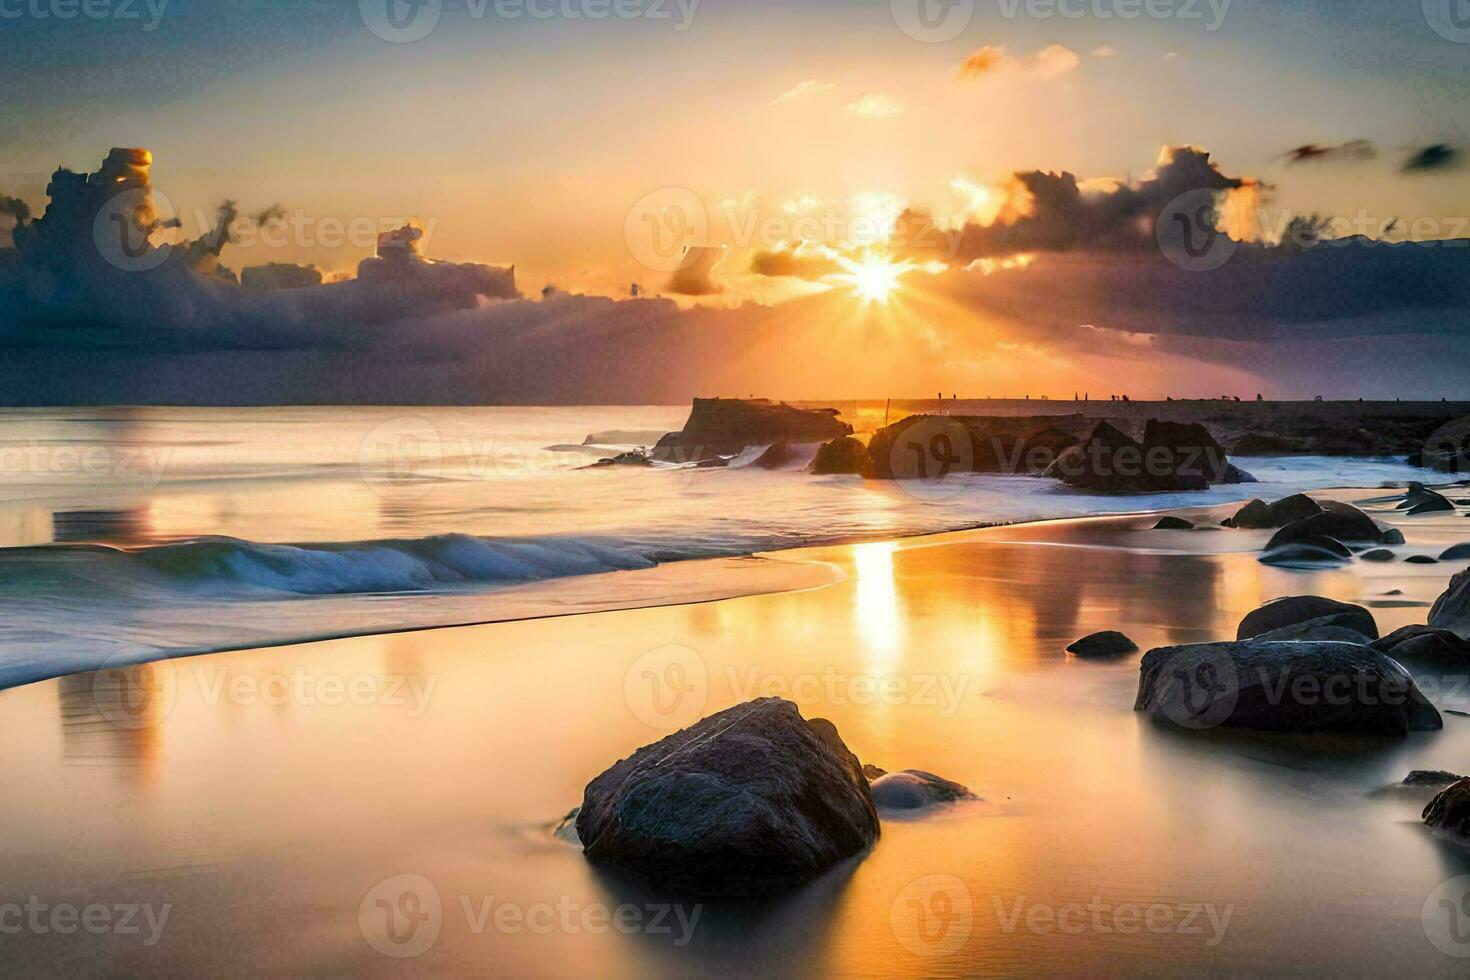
(1378, 555)
(777, 454)
(748, 801)
(844, 456)
(1315, 550)
(915, 789)
(1392, 536)
(1108, 643)
(1458, 553)
(1451, 610)
(1352, 525)
(1422, 560)
(1294, 610)
(633, 458)
(1421, 500)
(1274, 686)
(1172, 523)
(1259, 515)
(1448, 814)
(1425, 646)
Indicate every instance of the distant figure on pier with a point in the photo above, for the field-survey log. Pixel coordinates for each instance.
(1125, 398)
(1259, 398)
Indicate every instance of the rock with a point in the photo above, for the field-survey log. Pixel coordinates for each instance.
(1421, 560)
(1425, 646)
(1458, 553)
(1324, 628)
(1422, 500)
(713, 463)
(633, 458)
(926, 447)
(871, 772)
(748, 801)
(1315, 550)
(1448, 814)
(1174, 524)
(777, 455)
(1172, 457)
(1292, 610)
(1431, 777)
(1258, 515)
(1355, 527)
(843, 456)
(1393, 536)
(1378, 554)
(1451, 610)
(1109, 643)
(915, 789)
(726, 426)
(566, 830)
(1298, 687)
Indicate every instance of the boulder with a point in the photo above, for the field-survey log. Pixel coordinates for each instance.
(1292, 610)
(777, 455)
(1174, 524)
(844, 456)
(1422, 560)
(1355, 527)
(1378, 554)
(1109, 643)
(1172, 457)
(1318, 549)
(748, 801)
(1425, 646)
(1393, 536)
(1258, 515)
(1448, 814)
(1451, 610)
(1274, 686)
(1421, 500)
(633, 458)
(1459, 552)
(1325, 628)
(924, 447)
(1431, 777)
(727, 426)
(915, 789)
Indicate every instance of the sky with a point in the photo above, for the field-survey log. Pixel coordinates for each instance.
(721, 181)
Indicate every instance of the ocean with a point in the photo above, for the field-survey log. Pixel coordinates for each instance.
(136, 534)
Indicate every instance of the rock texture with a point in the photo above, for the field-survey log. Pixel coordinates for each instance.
(1448, 814)
(1452, 609)
(1307, 609)
(748, 801)
(1109, 643)
(725, 427)
(1295, 687)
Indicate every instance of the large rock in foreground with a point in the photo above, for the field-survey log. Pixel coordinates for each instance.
(1452, 610)
(1292, 610)
(746, 802)
(1290, 687)
(725, 426)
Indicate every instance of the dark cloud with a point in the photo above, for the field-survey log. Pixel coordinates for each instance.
(1352, 150)
(695, 275)
(798, 263)
(1431, 159)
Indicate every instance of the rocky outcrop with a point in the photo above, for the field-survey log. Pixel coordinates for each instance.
(725, 427)
(1109, 643)
(748, 801)
(1422, 500)
(1172, 523)
(1448, 814)
(1452, 609)
(926, 447)
(1290, 687)
(843, 456)
(1171, 457)
(777, 455)
(1307, 609)
(915, 789)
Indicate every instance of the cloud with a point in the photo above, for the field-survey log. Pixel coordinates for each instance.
(1052, 61)
(1432, 159)
(811, 263)
(1352, 150)
(695, 276)
(806, 89)
(876, 106)
(1105, 51)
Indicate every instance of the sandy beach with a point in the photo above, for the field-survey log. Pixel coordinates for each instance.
(427, 772)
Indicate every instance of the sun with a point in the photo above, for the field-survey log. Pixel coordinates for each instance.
(874, 278)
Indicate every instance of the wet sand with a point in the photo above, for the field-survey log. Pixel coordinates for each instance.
(303, 809)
